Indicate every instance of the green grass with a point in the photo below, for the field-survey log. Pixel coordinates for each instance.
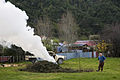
(111, 71)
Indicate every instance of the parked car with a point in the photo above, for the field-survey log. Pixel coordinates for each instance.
(58, 58)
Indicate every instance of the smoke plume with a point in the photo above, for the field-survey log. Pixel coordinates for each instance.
(13, 30)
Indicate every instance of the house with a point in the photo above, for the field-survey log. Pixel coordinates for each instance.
(78, 49)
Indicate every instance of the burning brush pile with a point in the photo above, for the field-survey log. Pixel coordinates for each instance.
(49, 67)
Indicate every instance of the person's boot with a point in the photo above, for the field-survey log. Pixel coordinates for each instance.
(101, 70)
(97, 70)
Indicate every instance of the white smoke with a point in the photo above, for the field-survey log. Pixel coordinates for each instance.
(13, 30)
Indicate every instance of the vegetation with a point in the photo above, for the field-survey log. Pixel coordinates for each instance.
(91, 15)
(47, 44)
(14, 51)
(111, 35)
(111, 71)
(68, 28)
(101, 47)
(70, 20)
(50, 44)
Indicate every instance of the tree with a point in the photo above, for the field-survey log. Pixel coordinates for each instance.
(90, 15)
(68, 28)
(44, 27)
(111, 35)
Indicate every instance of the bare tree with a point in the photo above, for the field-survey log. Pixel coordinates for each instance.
(68, 28)
(44, 27)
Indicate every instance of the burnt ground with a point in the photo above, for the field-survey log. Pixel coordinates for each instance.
(49, 67)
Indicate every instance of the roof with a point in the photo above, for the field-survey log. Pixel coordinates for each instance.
(86, 42)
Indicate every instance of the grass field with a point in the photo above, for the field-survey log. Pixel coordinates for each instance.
(111, 71)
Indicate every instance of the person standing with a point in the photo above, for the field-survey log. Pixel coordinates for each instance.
(101, 59)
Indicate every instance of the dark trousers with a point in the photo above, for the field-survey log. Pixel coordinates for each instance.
(100, 67)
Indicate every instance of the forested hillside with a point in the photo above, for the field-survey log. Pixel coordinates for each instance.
(90, 16)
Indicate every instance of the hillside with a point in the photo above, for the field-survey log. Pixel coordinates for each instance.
(91, 15)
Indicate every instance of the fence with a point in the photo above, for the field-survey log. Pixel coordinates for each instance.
(79, 53)
(11, 59)
(4, 58)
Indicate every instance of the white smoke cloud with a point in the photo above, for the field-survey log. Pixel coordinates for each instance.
(13, 29)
